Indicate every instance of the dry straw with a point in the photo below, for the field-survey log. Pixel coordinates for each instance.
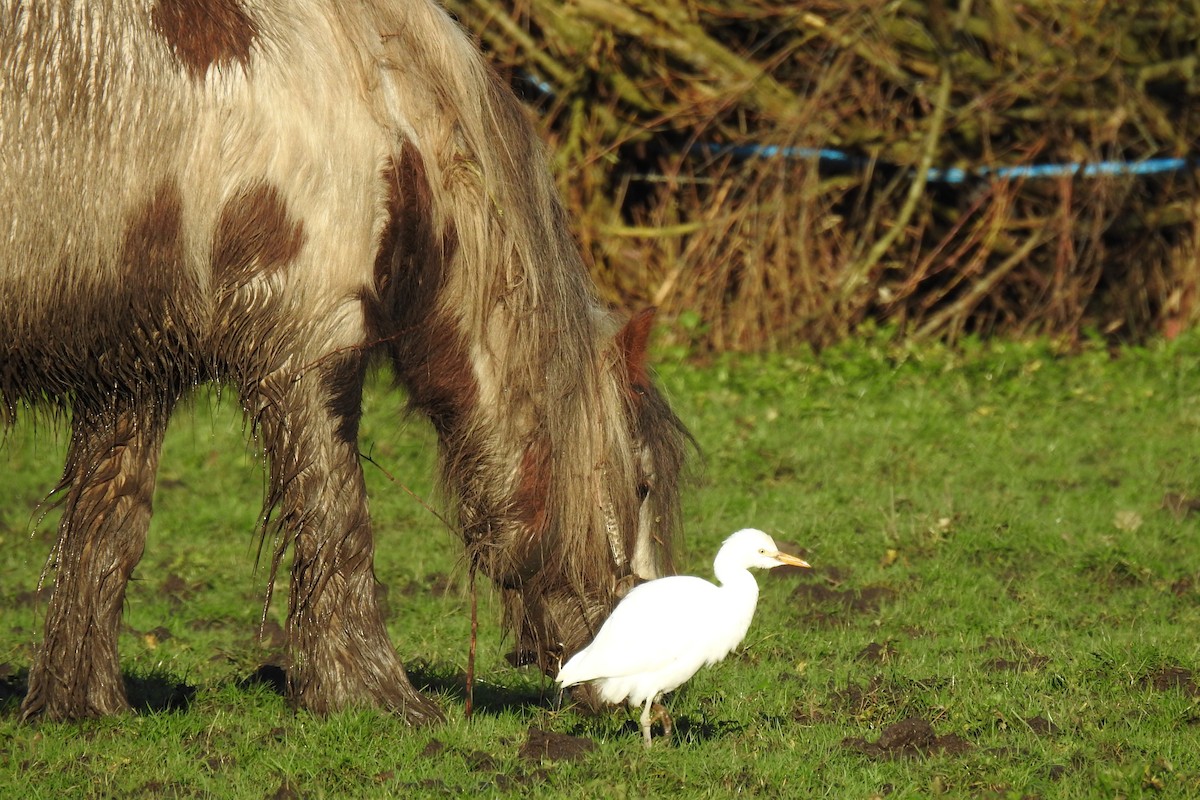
(770, 251)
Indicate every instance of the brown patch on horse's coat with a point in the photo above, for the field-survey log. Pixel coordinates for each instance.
(205, 33)
(410, 272)
(132, 335)
(530, 505)
(343, 381)
(255, 234)
(153, 239)
(150, 343)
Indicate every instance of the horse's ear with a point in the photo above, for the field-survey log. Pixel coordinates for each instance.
(633, 339)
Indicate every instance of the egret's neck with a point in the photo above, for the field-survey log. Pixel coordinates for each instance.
(737, 582)
(739, 596)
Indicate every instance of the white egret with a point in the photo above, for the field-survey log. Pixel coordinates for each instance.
(665, 630)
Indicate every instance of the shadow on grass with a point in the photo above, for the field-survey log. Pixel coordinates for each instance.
(489, 698)
(687, 729)
(13, 685)
(445, 680)
(157, 692)
(151, 693)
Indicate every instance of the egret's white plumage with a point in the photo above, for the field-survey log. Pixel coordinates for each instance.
(665, 630)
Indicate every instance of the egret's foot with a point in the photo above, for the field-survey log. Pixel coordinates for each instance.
(659, 712)
(651, 712)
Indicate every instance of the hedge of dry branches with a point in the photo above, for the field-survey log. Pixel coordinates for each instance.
(634, 95)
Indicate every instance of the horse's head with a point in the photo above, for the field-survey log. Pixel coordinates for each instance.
(595, 502)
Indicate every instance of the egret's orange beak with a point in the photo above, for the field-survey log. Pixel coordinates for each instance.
(784, 558)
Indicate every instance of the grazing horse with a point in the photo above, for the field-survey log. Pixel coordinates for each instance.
(273, 195)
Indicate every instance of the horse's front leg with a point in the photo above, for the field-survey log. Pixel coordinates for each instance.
(341, 652)
(109, 486)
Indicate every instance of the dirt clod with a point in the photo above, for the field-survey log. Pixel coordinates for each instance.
(1180, 504)
(553, 746)
(480, 761)
(1054, 772)
(36, 597)
(907, 738)
(876, 653)
(1042, 726)
(177, 589)
(285, 792)
(825, 605)
(1174, 677)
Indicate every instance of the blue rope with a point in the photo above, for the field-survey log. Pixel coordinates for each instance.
(825, 155)
(1150, 166)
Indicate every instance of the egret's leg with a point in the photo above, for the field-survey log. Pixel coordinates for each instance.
(646, 721)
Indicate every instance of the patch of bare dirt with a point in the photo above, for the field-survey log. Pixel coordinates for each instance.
(908, 738)
(286, 791)
(858, 699)
(825, 604)
(1017, 657)
(1042, 726)
(505, 777)
(1115, 573)
(871, 700)
(480, 761)
(1180, 504)
(876, 653)
(177, 589)
(1165, 679)
(34, 597)
(551, 746)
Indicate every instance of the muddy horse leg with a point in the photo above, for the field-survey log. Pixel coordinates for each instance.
(109, 486)
(341, 653)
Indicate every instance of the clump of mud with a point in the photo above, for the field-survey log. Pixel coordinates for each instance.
(1173, 677)
(551, 746)
(826, 605)
(908, 738)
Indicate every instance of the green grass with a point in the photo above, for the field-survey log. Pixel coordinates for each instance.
(1003, 546)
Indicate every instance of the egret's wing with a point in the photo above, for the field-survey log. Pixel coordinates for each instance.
(649, 628)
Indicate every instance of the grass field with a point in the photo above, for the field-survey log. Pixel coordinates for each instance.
(1005, 600)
